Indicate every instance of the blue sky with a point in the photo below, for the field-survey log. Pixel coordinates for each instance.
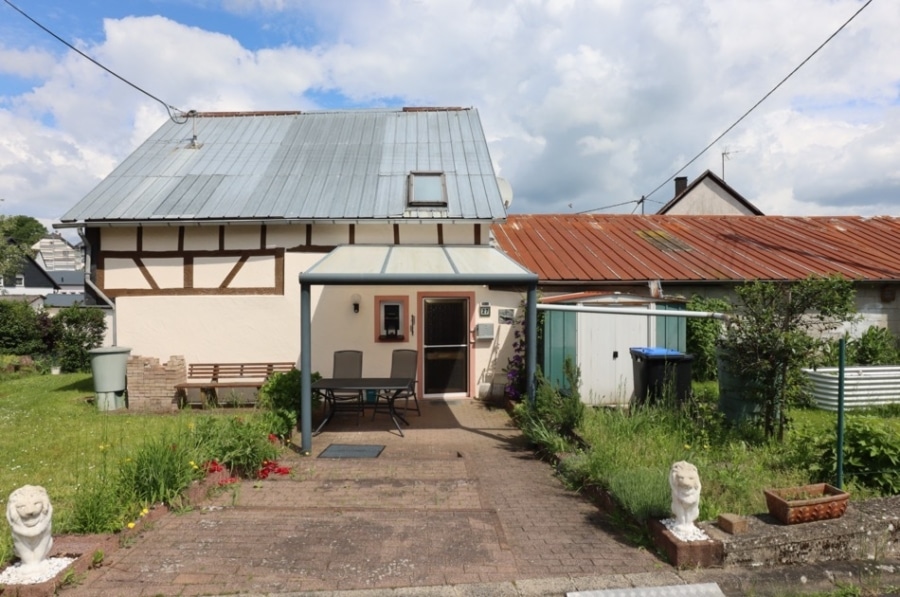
(586, 103)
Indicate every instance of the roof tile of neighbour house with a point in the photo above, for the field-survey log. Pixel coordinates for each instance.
(340, 165)
(631, 248)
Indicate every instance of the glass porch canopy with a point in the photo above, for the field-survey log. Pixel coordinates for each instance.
(377, 265)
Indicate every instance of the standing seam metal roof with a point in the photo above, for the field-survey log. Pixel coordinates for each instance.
(626, 248)
(301, 166)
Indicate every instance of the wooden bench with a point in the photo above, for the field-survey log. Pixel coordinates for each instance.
(227, 384)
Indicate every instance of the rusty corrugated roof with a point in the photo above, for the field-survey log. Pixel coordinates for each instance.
(631, 248)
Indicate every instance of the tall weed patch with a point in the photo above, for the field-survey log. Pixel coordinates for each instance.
(161, 468)
(552, 422)
(239, 444)
(99, 505)
(631, 451)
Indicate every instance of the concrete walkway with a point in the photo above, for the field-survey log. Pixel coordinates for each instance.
(460, 506)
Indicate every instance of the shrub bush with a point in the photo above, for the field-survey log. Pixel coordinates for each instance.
(280, 395)
(871, 454)
(76, 330)
(20, 329)
(876, 346)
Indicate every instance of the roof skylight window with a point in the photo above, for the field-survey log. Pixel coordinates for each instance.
(427, 188)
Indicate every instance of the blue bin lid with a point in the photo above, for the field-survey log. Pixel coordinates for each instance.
(655, 351)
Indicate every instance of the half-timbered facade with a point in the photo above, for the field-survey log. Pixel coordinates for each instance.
(198, 238)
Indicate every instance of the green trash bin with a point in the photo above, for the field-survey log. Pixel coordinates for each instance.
(108, 366)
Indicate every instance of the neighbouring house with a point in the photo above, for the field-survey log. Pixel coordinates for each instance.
(32, 280)
(200, 241)
(707, 195)
(53, 252)
(54, 302)
(69, 281)
(661, 261)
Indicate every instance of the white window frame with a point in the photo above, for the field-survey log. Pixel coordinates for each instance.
(428, 201)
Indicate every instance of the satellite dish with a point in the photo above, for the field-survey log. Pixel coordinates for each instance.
(506, 192)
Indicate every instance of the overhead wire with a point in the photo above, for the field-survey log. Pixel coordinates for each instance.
(169, 108)
(764, 98)
(739, 120)
(605, 207)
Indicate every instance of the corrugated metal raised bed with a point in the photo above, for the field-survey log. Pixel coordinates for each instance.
(863, 386)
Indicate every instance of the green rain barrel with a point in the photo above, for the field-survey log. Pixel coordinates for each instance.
(108, 365)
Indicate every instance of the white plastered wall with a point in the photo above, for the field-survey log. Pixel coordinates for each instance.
(218, 328)
(709, 199)
(337, 327)
(258, 328)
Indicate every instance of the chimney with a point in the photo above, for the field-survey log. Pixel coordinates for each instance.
(680, 184)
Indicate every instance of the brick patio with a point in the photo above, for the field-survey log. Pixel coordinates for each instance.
(459, 500)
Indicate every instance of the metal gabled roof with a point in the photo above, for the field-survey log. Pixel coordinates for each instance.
(344, 165)
(601, 249)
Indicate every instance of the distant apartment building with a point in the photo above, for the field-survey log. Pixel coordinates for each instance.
(54, 253)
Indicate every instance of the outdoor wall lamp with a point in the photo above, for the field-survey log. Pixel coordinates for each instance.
(355, 299)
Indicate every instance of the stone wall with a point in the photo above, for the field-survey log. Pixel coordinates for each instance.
(151, 385)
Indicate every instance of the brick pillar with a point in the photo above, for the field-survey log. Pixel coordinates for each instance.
(151, 385)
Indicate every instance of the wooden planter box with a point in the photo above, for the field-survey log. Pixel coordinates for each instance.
(819, 501)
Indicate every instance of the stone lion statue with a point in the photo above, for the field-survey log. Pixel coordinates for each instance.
(28, 512)
(685, 483)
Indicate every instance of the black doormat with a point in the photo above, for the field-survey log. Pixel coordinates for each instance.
(351, 451)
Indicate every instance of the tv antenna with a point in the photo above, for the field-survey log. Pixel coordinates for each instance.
(726, 153)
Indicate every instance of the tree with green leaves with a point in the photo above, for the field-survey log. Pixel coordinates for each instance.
(23, 230)
(776, 329)
(17, 235)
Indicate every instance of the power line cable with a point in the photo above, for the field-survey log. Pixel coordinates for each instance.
(587, 211)
(743, 116)
(169, 108)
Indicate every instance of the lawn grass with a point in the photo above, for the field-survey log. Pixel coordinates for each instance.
(51, 434)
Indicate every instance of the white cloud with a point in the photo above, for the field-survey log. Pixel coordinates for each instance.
(584, 103)
(27, 63)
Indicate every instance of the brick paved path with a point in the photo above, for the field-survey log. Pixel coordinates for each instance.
(458, 500)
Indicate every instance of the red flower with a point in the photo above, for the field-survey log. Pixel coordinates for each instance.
(274, 438)
(228, 481)
(214, 467)
(271, 467)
